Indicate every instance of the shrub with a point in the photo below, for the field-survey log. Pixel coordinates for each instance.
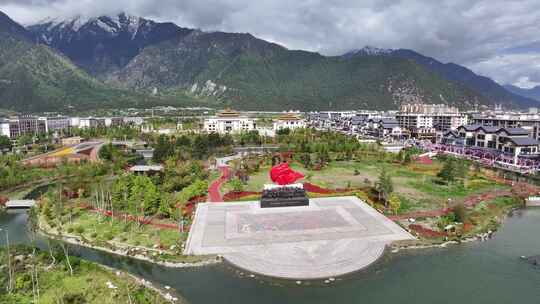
(236, 185)
(460, 212)
(108, 236)
(74, 298)
(79, 229)
(70, 230)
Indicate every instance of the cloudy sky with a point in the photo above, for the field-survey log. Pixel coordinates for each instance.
(496, 38)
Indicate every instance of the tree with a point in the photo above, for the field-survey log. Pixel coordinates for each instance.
(5, 143)
(460, 212)
(448, 171)
(107, 152)
(306, 160)
(144, 196)
(163, 149)
(24, 140)
(384, 186)
(200, 147)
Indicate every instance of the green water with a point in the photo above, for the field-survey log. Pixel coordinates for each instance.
(488, 272)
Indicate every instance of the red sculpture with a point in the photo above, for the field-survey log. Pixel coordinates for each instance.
(282, 175)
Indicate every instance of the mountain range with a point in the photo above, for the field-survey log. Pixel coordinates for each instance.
(122, 60)
(533, 93)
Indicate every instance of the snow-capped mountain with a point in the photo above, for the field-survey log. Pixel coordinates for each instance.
(103, 44)
(368, 51)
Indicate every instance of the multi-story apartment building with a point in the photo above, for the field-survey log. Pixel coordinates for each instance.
(91, 122)
(22, 125)
(56, 123)
(513, 141)
(229, 121)
(425, 116)
(527, 121)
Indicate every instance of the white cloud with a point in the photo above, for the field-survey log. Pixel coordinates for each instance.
(522, 69)
(476, 33)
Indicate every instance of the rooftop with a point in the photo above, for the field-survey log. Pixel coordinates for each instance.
(228, 113)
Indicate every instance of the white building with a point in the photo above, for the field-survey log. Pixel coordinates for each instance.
(228, 122)
(91, 122)
(113, 121)
(527, 121)
(56, 123)
(23, 125)
(289, 121)
(137, 121)
(425, 116)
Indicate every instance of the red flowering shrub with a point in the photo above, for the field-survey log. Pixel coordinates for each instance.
(426, 232)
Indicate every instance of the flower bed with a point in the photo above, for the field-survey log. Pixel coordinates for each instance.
(424, 160)
(236, 195)
(426, 232)
(309, 187)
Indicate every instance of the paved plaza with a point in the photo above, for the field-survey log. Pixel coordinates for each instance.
(329, 238)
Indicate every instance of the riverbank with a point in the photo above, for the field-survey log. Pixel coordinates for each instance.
(152, 255)
(32, 275)
(483, 233)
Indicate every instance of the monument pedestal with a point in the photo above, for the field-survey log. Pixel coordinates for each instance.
(284, 196)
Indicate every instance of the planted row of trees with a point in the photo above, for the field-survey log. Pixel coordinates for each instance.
(191, 146)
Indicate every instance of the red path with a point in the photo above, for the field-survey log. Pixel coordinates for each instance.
(214, 195)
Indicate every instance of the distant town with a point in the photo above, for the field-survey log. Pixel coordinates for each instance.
(495, 137)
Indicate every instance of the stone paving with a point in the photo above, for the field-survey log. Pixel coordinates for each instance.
(329, 238)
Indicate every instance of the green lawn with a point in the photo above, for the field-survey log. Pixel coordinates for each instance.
(99, 228)
(414, 184)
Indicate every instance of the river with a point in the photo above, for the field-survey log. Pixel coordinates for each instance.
(480, 272)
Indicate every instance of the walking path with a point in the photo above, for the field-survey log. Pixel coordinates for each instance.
(214, 194)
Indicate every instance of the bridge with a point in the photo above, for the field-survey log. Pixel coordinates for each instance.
(129, 143)
(20, 204)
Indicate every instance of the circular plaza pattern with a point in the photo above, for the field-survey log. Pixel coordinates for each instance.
(331, 237)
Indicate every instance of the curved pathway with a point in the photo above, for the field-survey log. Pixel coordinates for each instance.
(214, 194)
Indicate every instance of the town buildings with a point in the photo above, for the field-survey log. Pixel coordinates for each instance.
(22, 125)
(289, 121)
(514, 142)
(91, 122)
(527, 121)
(424, 120)
(229, 122)
(56, 124)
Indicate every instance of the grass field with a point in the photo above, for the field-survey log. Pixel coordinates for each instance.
(414, 183)
(103, 232)
(94, 227)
